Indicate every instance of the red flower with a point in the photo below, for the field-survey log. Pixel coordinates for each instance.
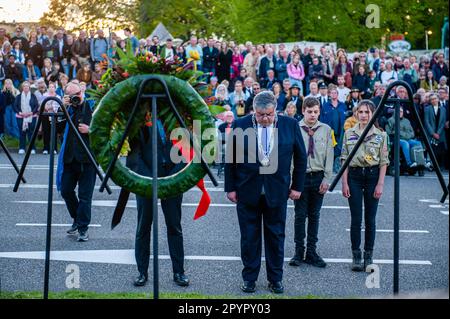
(125, 74)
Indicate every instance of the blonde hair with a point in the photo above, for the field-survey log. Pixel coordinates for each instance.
(14, 90)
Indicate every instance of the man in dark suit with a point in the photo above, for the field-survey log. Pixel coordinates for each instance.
(140, 161)
(258, 180)
(210, 55)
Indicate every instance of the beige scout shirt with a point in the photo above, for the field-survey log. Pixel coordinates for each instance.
(323, 150)
(373, 151)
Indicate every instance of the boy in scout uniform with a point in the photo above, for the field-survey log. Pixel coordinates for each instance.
(364, 179)
(319, 144)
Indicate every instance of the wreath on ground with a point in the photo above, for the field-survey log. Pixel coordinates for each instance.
(114, 98)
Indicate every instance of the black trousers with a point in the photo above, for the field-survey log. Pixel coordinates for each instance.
(252, 221)
(46, 132)
(362, 183)
(79, 207)
(308, 206)
(172, 214)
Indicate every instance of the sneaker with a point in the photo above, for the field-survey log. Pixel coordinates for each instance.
(414, 164)
(33, 152)
(314, 259)
(45, 152)
(83, 236)
(21, 151)
(72, 230)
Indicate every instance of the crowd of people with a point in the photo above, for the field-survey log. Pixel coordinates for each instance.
(41, 62)
(326, 98)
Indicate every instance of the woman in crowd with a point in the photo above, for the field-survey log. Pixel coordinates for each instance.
(236, 62)
(18, 53)
(9, 93)
(296, 72)
(31, 72)
(389, 74)
(35, 51)
(224, 62)
(429, 83)
(280, 96)
(85, 74)
(363, 182)
(26, 107)
(51, 106)
(250, 61)
(291, 111)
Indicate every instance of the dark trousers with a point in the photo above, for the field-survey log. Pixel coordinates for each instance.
(252, 219)
(362, 183)
(2, 122)
(172, 214)
(46, 133)
(25, 134)
(79, 207)
(308, 205)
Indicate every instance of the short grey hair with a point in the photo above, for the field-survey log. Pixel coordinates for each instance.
(264, 100)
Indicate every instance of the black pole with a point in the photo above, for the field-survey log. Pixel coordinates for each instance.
(53, 118)
(396, 195)
(155, 199)
(11, 159)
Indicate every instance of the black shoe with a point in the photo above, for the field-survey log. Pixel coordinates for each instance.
(83, 236)
(295, 261)
(248, 286)
(140, 280)
(276, 287)
(315, 260)
(72, 230)
(357, 263)
(368, 259)
(181, 279)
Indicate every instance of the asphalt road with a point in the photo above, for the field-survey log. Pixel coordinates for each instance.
(106, 262)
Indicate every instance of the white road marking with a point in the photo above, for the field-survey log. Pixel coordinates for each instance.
(445, 212)
(53, 225)
(438, 206)
(132, 204)
(436, 201)
(401, 231)
(126, 256)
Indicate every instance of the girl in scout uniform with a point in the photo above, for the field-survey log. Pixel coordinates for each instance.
(364, 180)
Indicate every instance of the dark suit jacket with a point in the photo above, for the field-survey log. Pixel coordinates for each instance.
(210, 58)
(140, 157)
(245, 178)
(430, 122)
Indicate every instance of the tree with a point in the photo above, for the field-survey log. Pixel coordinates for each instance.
(88, 14)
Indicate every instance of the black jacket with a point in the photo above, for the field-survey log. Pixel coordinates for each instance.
(74, 150)
(210, 57)
(17, 107)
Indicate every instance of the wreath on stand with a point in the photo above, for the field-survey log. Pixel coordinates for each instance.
(115, 95)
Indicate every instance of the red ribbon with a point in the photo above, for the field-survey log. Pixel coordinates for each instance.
(203, 205)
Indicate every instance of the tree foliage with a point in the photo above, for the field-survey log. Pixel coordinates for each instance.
(88, 14)
(272, 21)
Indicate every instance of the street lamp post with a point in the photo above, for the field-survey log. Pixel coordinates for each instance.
(427, 33)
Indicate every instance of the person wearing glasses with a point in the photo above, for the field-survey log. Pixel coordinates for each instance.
(74, 167)
(261, 184)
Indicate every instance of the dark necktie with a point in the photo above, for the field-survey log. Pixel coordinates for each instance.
(310, 132)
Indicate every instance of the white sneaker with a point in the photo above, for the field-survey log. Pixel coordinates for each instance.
(45, 152)
(414, 164)
(33, 152)
(21, 151)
